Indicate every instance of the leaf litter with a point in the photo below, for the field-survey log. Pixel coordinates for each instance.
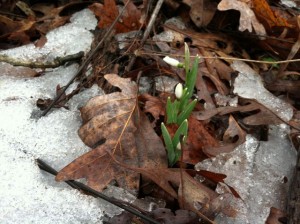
(228, 143)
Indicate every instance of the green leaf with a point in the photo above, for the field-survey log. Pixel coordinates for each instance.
(186, 112)
(182, 130)
(191, 77)
(170, 117)
(169, 144)
(186, 58)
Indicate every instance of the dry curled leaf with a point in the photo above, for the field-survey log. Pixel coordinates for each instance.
(115, 120)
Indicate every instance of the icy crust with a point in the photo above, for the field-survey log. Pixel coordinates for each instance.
(66, 40)
(249, 85)
(27, 194)
(257, 171)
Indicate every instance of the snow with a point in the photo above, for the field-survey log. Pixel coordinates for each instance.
(256, 170)
(65, 40)
(29, 195)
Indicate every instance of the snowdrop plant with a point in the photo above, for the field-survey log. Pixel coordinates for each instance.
(180, 109)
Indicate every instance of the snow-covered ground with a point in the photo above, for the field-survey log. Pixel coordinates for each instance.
(29, 195)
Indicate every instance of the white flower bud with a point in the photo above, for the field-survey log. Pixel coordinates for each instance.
(178, 147)
(173, 62)
(178, 90)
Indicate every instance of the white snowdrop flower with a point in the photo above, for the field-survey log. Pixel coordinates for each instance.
(173, 62)
(178, 90)
(178, 147)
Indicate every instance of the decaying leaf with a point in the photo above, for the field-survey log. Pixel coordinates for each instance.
(247, 19)
(108, 12)
(115, 120)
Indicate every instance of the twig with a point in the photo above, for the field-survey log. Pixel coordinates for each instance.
(80, 186)
(107, 34)
(147, 31)
(140, 52)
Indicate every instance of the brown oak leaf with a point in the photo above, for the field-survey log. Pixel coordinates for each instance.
(127, 134)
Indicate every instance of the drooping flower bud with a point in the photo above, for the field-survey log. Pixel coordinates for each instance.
(178, 147)
(178, 90)
(173, 62)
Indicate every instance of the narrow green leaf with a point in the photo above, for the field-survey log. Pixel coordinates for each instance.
(191, 77)
(186, 112)
(186, 58)
(168, 143)
(169, 111)
(175, 109)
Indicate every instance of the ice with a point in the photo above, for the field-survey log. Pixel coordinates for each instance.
(249, 85)
(222, 100)
(257, 170)
(66, 40)
(29, 195)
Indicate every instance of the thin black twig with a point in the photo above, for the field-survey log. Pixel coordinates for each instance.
(80, 186)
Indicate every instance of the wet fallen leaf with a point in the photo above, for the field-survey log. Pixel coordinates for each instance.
(109, 11)
(115, 120)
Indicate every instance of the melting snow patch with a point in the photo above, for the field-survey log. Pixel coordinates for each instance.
(66, 40)
(29, 195)
(256, 170)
